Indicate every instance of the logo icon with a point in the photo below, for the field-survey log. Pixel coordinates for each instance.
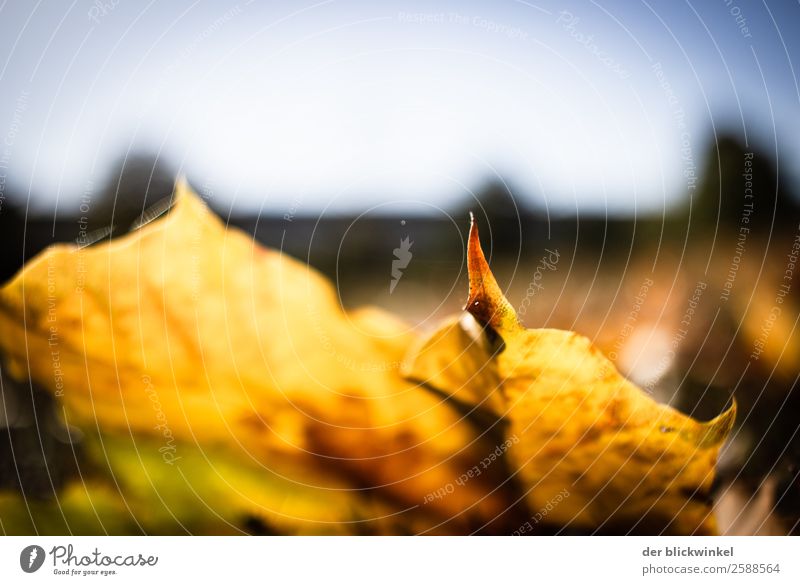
(402, 256)
(31, 558)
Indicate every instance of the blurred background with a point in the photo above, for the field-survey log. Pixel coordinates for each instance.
(633, 167)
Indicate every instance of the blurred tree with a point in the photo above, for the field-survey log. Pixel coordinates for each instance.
(136, 182)
(742, 181)
(504, 213)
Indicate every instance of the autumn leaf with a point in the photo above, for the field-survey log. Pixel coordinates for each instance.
(593, 451)
(201, 364)
(222, 388)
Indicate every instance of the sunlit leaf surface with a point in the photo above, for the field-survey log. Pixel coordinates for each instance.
(221, 388)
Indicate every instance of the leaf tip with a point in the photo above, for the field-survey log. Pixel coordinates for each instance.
(486, 301)
(716, 431)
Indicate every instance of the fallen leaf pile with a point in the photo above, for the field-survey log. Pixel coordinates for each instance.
(221, 388)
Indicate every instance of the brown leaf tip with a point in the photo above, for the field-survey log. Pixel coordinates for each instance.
(486, 301)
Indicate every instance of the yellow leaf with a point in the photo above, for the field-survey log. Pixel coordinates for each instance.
(593, 451)
(185, 337)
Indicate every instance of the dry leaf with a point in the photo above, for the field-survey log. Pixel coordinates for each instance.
(221, 384)
(593, 451)
(191, 338)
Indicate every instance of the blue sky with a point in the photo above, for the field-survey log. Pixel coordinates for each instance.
(588, 106)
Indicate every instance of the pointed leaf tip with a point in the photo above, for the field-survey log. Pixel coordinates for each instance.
(486, 301)
(716, 431)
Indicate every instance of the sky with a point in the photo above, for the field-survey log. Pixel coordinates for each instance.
(594, 107)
